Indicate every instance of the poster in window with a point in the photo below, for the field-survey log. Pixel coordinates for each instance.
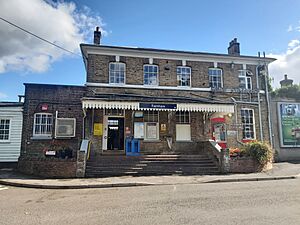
(289, 118)
(138, 130)
(151, 131)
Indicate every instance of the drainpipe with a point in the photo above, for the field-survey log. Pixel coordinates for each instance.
(236, 117)
(259, 107)
(268, 104)
(83, 123)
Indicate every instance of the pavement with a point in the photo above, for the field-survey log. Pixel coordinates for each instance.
(10, 177)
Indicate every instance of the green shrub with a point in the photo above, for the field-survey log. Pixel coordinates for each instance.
(260, 151)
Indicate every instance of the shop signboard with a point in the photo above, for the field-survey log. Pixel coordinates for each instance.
(289, 124)
(157, 106)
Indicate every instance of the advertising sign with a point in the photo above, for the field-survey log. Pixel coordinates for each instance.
(289, 124)
(98, 128)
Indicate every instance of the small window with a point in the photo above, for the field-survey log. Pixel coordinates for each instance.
(215, 77)
(183, 117)
(4, 129)
(42, 125)
(183, 76)
(117, 73)
(151, 75)
(245, 81)
(247, 116)
(151, 125)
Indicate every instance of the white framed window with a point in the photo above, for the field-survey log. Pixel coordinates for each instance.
(42, 125)
(117, 73)
(151, 119)
(245, 81)
(183, 126)
(151, 75)
(5, 126)
(248, 123)
(183, 76)
(215, 77)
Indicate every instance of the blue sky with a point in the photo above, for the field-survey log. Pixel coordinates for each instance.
(208, 26)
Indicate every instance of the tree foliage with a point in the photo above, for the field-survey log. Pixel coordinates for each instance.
(288, 92)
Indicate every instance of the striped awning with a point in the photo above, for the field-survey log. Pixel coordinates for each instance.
(191, 107)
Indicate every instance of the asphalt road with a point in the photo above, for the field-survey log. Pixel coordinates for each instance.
(265, 202)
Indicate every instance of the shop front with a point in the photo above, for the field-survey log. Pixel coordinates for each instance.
(159, 127)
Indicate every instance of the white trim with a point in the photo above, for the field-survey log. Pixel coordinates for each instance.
(244, 66)
(157, 77)
(180, 86)
(150, 61)
(215, 64)
(210, 68)
(254, 126)
(9, 130)
(110, 72)
(191, 107)
(175, 88)
(117, 58)
(169, 55)
(34, 135)
(183, 62)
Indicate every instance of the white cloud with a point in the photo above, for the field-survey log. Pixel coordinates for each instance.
(3, 96)
(286, 63)
(60, 22)
(290, 28)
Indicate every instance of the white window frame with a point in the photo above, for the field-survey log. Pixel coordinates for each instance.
(113, 73)
(211, 82)
(183, 121)
(179, 76)
(46, 135)
(151, 73)
(148, 123)
(248, 125)
(9, 130)
(247, 80)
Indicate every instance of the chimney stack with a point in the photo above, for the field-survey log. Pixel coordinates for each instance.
(286, 82)
(97, 36)
(234, 47)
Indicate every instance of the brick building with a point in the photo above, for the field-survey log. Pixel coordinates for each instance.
(173, 102)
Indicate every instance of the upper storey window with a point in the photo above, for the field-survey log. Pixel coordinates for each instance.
(245, 81)
(116, 73)
(183, 76)
(215, 77)
(151, 75)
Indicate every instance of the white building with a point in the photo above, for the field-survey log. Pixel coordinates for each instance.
(11, 119)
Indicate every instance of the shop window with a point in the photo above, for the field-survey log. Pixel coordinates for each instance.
(42, 125)
(4, 130)
(245, 80)
(151, 75)
(183, 76)
(247, 116)
(151, 125)
(215, 77)
(117, 73)
(183, 127)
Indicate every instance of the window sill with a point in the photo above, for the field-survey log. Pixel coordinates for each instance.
(152, 140)
(4, 141)
(181, 141)
(40, 138)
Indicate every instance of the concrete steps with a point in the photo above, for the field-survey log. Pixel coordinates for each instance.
(106, 166)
